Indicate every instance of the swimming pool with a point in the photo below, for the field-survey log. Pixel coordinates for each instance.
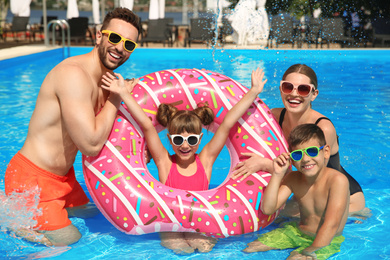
(354, 93)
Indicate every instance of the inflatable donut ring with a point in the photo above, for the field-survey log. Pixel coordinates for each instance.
(136, 203)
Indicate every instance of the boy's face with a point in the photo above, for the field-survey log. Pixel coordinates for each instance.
(308, 165)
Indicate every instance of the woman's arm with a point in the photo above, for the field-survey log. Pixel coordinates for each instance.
(253, 164)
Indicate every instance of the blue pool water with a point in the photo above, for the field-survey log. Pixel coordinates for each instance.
(354, 93)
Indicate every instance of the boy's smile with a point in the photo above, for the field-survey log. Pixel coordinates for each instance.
(311, 165)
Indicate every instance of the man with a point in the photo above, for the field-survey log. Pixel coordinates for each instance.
(72, 113)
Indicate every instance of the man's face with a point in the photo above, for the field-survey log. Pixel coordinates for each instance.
(114, 55)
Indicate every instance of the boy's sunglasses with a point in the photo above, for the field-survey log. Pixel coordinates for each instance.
(179, 139)
(311, 151)
(115, 38)
(303, 89)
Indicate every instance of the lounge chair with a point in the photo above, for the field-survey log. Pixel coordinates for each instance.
(19, 25)
(333, 30)
(79, 30)
(381, 31)
(283, 31)
(313, 32)
(38, 28)
(202, 29)
(158, 31)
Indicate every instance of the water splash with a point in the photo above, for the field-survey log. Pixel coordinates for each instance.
(250, 22)
(19, 210)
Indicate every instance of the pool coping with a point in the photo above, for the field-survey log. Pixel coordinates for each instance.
(18, 51)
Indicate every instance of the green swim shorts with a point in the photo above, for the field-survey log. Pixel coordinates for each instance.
(289, 236)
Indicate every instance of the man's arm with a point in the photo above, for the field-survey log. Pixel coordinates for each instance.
(75, 92)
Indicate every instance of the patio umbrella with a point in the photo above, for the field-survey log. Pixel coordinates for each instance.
(72, 10)
(95, 11)
(20, 7)
(161, 8)
(153, 10)
(127, 3)
(185, 12)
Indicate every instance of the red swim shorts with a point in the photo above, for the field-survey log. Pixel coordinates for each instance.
(57, 192)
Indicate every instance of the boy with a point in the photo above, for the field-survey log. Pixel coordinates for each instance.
(322, 194)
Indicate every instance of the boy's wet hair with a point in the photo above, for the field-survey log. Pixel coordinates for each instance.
(179, 121)
(124, 14)
(304, 70)
(304, 133)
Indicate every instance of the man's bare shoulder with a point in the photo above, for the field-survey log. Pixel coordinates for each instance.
(72, 72)
(75, 64)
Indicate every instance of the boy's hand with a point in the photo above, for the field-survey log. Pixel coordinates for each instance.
(281, 164)
(117, 85)
(257, 80)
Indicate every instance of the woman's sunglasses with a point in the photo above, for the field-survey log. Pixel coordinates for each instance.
(115, 38)
(303, 89)
(311, 151)
(179, 139)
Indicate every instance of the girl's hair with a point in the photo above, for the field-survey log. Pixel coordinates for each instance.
(302, 69)
(124, 14)
(179, 121)
(304, 133)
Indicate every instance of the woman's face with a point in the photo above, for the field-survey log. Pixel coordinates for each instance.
(294, 102)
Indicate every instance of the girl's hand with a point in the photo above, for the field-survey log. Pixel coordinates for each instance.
(117, 85)
(281, 164)
(257, 80)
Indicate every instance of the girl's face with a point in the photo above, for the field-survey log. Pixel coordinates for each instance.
(294, 101)
(185, 145)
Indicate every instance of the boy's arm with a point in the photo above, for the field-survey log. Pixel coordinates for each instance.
(278, 190)
(214, 147)
(338, 201)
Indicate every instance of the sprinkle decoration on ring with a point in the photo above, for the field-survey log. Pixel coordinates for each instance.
(136, 203)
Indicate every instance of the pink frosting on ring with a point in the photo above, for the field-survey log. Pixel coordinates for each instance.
(136, 203)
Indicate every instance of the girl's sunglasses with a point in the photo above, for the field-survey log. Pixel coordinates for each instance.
(179, 139)
(311, 151)
(115, 38)
(303, 89)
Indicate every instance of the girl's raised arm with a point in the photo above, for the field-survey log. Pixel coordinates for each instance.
(118, 85)
(213, 148)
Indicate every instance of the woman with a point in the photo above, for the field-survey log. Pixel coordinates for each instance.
(298, 89)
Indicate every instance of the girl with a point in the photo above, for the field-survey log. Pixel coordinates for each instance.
(185, 169)
(298, 89)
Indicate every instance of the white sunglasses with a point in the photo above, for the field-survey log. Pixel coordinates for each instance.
(192, 140)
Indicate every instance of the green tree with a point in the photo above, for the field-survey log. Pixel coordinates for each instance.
(4, 5)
